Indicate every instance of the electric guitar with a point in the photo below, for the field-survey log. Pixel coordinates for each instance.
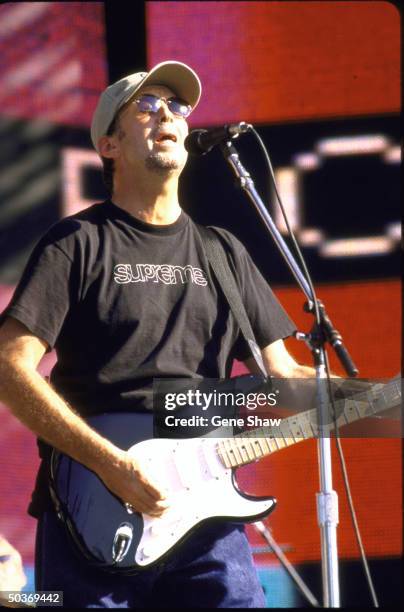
(198, 472)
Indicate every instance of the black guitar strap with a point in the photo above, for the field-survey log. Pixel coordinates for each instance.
(217, 257)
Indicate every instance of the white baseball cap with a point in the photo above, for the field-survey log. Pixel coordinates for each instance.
(177, 76)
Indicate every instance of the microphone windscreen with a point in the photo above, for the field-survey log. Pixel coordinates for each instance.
(192, 144)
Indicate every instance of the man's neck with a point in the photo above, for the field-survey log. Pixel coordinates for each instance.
(154, 202)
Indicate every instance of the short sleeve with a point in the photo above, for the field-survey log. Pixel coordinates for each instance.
(45, 292)
(267, 316)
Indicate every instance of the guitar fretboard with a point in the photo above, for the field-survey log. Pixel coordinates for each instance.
(257, 443)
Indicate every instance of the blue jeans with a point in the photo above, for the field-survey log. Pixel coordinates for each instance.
(213, 569)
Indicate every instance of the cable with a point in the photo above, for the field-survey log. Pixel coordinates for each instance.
(337, 436)
(290, 231)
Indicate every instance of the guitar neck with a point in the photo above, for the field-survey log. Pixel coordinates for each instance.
(257, 443)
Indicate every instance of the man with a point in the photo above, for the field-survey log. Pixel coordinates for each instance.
(124, 293)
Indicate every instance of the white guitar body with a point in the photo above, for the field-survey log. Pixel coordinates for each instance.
(198, 487)
(197, 475)
(191, 472)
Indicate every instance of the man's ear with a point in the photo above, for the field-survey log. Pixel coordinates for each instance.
(107, 147)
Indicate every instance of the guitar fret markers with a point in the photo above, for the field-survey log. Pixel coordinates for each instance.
(257, 443)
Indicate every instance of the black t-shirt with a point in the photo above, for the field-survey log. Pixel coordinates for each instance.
(123, 302)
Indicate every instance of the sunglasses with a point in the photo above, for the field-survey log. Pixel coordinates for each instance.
(147, 103)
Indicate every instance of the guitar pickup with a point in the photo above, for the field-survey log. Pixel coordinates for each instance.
(209, 461)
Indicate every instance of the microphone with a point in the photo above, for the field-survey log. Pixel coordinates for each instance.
(199, 142)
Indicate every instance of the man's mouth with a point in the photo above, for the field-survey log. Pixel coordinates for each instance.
(166, 137)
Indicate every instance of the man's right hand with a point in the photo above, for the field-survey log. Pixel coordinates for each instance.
(132, 485)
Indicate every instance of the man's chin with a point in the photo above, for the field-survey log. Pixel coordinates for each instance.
(163, 163)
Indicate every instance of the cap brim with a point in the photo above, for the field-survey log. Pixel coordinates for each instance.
(177, 76)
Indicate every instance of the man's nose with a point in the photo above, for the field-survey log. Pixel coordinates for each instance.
(164, 113)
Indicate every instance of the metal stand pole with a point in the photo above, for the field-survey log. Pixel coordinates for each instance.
(327, 499)
(327, 502)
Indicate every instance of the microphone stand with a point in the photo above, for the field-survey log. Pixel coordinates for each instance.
(327, 500)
